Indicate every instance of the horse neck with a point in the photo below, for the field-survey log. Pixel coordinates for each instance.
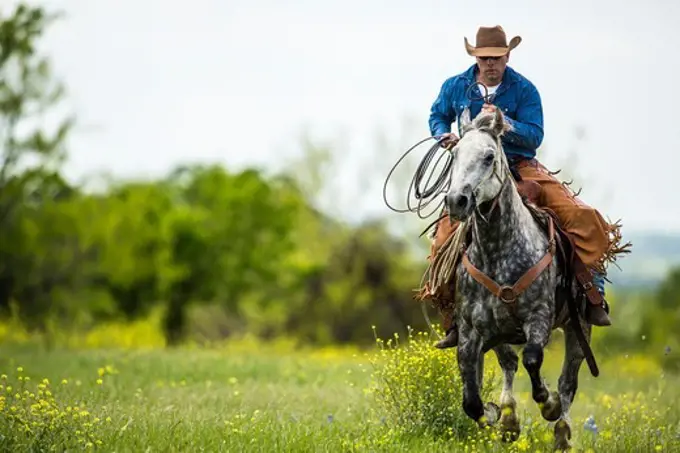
(508, 223)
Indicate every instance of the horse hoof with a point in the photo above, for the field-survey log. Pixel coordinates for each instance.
(510, 428)
(562, 436)
(492, 412)
(491, 415)
(551, 410)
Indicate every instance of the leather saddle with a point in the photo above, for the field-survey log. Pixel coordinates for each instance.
(530, 191)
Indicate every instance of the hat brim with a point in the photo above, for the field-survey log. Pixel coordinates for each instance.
(492, 51)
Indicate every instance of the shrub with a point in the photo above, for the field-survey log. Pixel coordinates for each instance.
(417, 387)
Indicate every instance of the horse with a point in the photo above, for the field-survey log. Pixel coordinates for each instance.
(509, 243)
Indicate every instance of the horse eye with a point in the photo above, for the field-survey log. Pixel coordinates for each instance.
(488, 159)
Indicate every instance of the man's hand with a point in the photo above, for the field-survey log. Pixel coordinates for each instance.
(489, 108)
(448, 140)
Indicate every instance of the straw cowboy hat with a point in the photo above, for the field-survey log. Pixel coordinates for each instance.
(491, 42)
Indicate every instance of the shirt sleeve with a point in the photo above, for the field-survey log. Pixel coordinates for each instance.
(527, 128)
(442, 113)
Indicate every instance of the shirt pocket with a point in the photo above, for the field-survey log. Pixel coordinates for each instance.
(460, 105)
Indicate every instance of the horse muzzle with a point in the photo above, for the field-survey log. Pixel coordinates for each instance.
(460, 204)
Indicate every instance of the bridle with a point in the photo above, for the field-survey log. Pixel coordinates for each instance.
(503, 181)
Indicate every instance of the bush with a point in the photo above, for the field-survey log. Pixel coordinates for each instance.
(418, 389)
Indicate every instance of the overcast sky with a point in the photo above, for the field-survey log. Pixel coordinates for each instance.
(156, 83)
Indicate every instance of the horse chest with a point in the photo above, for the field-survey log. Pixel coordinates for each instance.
(482, 309)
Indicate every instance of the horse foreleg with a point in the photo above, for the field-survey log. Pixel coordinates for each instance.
(508, 361)
(568, 383)
(470, 366)
(537, 331)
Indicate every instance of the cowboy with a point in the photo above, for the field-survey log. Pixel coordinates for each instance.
(520, 103)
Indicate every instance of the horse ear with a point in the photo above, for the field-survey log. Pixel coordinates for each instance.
(499, 126)
(465, 121)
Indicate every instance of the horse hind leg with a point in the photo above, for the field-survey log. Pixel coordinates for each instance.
(568, 384)
(538, 333)
(509, 422)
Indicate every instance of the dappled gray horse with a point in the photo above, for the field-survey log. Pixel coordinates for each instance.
(507, 247)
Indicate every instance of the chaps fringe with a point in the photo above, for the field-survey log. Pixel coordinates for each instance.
(442, 269)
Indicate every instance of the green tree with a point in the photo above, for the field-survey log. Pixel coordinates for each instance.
(30, 155)
(231, 232)
(131, 237)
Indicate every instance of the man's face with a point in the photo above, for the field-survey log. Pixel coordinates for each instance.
(492, 68)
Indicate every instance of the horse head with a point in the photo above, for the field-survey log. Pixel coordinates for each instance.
(480, 169)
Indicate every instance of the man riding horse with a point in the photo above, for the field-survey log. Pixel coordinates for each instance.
(521, 106)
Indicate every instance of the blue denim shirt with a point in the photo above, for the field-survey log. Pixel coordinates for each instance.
(517, 97)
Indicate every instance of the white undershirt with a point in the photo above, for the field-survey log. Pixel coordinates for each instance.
(492, 89)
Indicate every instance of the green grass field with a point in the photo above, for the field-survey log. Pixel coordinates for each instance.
(249, 396)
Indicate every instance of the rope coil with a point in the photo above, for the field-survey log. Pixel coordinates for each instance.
(422, 187)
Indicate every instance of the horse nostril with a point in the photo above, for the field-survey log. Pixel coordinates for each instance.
(462, 201)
